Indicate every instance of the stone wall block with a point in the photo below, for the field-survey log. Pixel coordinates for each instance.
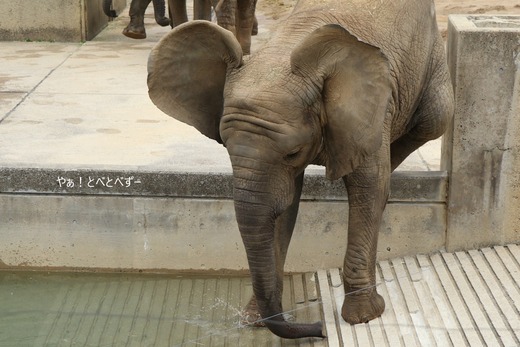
(480, 151)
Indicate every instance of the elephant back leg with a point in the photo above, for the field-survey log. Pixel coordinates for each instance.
(202, 9)
(135, 29)
(432, 115)
(254, 31)
(177, 11)
(245, 20)
(159, 9)
(225, 11)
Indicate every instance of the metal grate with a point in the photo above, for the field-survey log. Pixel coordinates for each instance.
(446, 299)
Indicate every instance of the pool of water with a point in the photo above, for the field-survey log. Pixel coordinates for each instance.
(121, 309)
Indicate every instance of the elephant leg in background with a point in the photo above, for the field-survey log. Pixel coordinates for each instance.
(368, 189)
(177, 11)
(159, 10)
(283, 232)
(225, 10)
(238, 16)
(108, 9)
(254, 31)
(245, 19)
(135, 29)
(202, 9)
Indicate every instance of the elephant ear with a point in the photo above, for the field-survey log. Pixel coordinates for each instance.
(355, 88)
(187, 72)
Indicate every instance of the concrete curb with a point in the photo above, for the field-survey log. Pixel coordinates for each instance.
(412, 186)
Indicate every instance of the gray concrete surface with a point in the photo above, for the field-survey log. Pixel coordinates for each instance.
(87, 162)
(53, 20)
(484, 139)
(86, 106)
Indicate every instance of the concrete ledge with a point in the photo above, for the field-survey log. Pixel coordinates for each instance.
(53, 20)
(409, 186)
(172, 221)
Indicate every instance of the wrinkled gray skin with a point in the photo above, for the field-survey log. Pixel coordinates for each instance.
(177, 11)
(238, 16)
(354, 85)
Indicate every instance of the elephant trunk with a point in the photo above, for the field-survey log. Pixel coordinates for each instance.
(159, 9)
(107, 9)
(256, 222)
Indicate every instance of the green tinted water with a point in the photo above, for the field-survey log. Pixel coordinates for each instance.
(79, 309)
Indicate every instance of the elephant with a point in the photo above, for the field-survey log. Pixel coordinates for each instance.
(135, 29)
(238, 16)
(108, 9)
(351, 85)
(177, 11)
(179, 14)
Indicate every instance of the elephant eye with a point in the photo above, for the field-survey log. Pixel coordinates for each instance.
(293, 155)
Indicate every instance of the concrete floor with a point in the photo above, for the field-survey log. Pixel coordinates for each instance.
(71, 105)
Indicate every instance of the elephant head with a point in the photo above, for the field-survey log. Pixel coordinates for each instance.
(323, 102)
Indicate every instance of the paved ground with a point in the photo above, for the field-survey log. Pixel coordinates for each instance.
(71, 105)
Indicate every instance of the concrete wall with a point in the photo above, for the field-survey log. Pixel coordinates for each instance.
(482, 148)
(53, 20)
(187, 221)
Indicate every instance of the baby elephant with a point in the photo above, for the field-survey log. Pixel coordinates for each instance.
(353, 85)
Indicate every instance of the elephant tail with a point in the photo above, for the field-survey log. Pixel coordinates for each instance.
(107, 9)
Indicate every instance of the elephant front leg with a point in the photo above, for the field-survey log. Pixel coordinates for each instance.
(368, 188)
(202, 9)
(178, 12)
(226, 13)
(245, 23)
(135, 29)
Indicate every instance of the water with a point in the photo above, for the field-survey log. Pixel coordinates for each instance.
(121, 309)
(54, 309)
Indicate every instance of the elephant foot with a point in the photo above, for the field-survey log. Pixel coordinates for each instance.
(250, 315)
(162, 21)
(362, 308)
(134, 32)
